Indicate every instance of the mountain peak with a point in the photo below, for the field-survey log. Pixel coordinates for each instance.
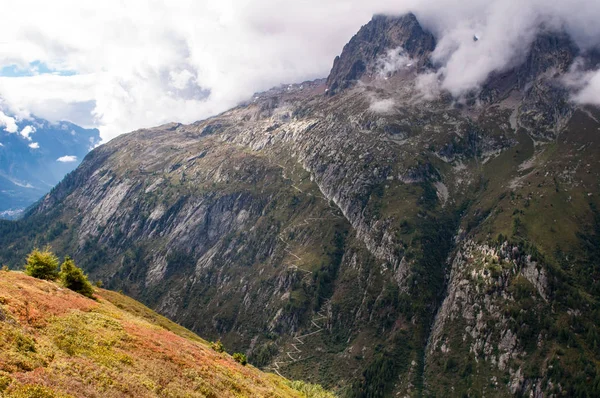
(381, 34)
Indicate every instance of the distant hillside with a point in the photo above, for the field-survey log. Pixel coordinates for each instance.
(35, 155)
(57, 343)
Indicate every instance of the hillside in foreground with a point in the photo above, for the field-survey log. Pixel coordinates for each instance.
(57, 343)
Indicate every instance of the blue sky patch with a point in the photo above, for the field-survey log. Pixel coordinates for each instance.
(34, 68)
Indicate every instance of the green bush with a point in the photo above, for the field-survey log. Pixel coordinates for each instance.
(241, 358)
(72, 277)
(5, 381)
(217, 346)
(310, 390)
(34, 391)
(42, 264)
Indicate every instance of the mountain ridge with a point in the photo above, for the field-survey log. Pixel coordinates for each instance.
(386, 213)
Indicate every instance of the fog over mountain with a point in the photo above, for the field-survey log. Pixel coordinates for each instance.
(151, 63)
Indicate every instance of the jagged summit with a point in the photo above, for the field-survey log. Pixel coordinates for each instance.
(381, 34)
(535, 79)
(550, 55)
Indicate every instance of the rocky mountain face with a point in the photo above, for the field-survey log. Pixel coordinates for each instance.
(383, 34)
(35, 157)
(353, 233)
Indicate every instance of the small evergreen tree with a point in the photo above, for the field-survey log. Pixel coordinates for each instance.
(72, 277)
(217, 346)
(42, 264)
(241, 358)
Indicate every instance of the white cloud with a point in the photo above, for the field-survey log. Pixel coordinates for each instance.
(1, 144)
(51, 97)
(590, 93)
(144, 63)
(382, 106)
(27, 131)
(428, 85)
(585, 85)
(8, 123)
(34, 145)
(396, 59)
(67, 159)
(20, 184)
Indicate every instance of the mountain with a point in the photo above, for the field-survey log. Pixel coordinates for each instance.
(57, 343)
(29, 160)
(356, 233)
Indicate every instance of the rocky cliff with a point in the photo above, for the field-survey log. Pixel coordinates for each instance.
(355, 233)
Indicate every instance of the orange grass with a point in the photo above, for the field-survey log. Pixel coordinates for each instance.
(57, 343)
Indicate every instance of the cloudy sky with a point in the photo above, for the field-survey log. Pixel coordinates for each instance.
(123, 65)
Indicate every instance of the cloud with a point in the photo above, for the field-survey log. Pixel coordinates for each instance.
(52, 97)
(1, 144)
(67, 159)
(590, 93)
(382, 106)
(27, 131)
(584, 84)
(8, 123)
(396, 59)
(148, 63)
(34, 145)
(20, 184)
(428, 85)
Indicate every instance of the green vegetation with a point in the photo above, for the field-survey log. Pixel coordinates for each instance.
(310, 390)
(217, 346)
(35, 391)
(262, 355)
(240, 358)
(42, 264)
(73, 278)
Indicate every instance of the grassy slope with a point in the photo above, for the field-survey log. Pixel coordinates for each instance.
(54, 342)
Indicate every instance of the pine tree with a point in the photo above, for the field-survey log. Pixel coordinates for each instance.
(42, 264)
(72, 277)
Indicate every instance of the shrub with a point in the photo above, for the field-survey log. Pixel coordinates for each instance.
(42, 264)
(241, 358)
(72, 277)
(5, 268)
(217, 346)
(22, 342)
(34, 391)
(5, 381)
(310, 390)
